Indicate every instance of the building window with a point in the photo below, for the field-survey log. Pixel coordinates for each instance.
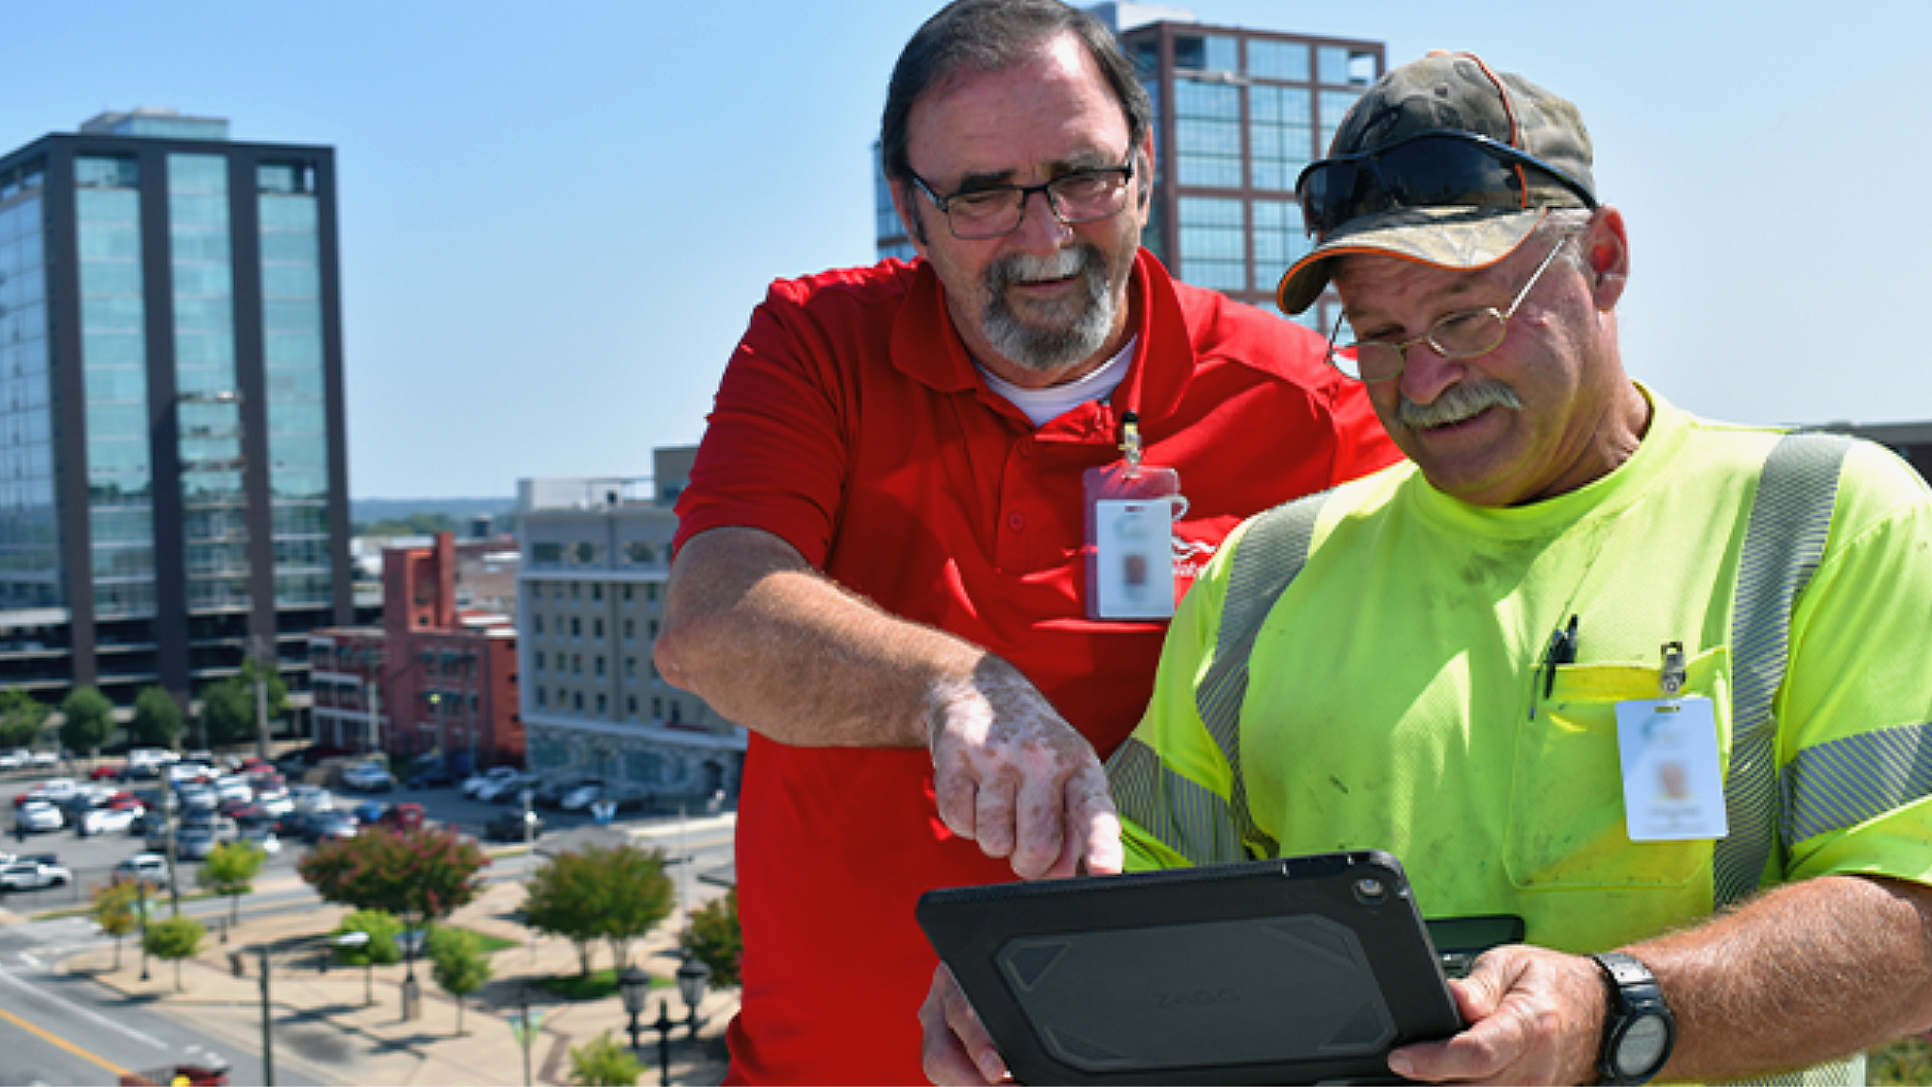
(630, 667)
(627, 594)
(536, 623)
(601, 705)
(1214, 251)
(657, 707)
(599, 662)
(576, 627)
(577, 664)
(597, 629)
(1207, 124)
(1281, 136)
(653, 630)
(546, 554)
(630, 705)
(574, 587)
(536, 659)
(1278, 60)
(540, 697)
(630, 630)
(577, 700)
(597, 593)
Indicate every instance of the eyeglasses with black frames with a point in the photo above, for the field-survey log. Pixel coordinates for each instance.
(1466, 334)
(993, 211)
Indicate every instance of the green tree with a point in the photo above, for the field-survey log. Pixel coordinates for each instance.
(601, 1062)
(157, 719)
(90, 720)
(229, 870)
(615, 895)
(22, 718)
(420, 875)
(228, 705)
(715, 939)
(459, 965)
(382, 928)
(174, 939)
(114, 909)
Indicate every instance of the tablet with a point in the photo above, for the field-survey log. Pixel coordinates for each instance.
(1296, 970)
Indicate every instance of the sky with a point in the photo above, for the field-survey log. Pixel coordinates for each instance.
(557, 217)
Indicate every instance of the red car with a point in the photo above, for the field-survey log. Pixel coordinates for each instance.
(106, 773)
(407, 815)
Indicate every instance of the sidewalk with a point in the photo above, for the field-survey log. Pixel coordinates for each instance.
(322, 1020)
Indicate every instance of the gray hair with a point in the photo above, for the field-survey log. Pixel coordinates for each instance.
(989, 36)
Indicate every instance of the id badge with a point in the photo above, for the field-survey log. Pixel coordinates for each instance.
(1130, 540)
(1672, 788)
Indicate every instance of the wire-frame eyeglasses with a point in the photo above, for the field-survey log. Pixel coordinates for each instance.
(1462, 335)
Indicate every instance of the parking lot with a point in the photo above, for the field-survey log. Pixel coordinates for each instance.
(93, 858)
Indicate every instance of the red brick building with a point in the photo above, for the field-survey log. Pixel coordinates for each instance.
(432, 680)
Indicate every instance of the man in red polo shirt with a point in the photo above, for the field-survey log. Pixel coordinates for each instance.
(907, 560)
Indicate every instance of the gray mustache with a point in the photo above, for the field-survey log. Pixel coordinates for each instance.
(1458, 403)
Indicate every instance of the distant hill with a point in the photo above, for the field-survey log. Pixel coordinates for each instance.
(393, 509)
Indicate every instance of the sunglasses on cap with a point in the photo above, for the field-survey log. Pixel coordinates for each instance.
(1439, 168)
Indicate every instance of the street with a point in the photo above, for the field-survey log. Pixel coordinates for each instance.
(63, 1025)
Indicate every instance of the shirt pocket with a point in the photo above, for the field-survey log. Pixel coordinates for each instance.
(1567, 828)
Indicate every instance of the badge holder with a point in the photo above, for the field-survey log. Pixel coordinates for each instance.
(1131, 510)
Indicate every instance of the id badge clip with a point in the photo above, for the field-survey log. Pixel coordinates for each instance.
(1131, 509)
(1673, 787)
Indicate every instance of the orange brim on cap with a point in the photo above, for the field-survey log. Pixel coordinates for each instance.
(1457, 238)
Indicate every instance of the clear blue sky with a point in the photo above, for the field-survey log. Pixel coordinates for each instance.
(556, 217)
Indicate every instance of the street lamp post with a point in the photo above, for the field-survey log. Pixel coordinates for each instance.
(143, 885)
(635, 985)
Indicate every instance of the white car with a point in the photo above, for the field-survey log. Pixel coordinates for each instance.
(311, 798)
(147, 867)
(15, 759)
(368, 777)
(494, 776)
(30, 875)
(39, 815)
(581, 797)
(107, 821)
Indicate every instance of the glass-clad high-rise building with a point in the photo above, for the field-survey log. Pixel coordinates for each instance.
(1238, 113)
(173, 491)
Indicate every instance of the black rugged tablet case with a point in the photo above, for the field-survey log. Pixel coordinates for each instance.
(1296, 970)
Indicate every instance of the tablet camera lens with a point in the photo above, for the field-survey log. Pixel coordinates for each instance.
(1370, 891)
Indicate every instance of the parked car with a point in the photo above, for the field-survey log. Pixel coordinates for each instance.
(494, 775)
(108, 820)
(368, 811)
(329, 824)
(582, 796)
(262, 838)
(433, 777)
(13, 759)
(144, 867)
(193, 843)
(311, 798)
(38, 815)
(407, 815)
(234, 788)
(42, 759)
(509, 789)
(368, 777)
(32, 875)
(509, 826)
(107, 772)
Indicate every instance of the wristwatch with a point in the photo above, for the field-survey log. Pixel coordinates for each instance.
(1638, 1029)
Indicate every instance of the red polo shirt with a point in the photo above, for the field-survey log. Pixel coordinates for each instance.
(852, 423)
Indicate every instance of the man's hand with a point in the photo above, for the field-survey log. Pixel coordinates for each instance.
(956, 1049)
(1534, 1015)
(1011, 774)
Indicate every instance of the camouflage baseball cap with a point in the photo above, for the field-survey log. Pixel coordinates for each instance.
(1450, 93)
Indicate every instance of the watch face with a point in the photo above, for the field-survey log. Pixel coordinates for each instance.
(1642, 1046)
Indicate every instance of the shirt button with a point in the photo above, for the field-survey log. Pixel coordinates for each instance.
(1016, 521)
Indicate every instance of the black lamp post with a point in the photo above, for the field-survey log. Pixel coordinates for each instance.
(635, 986)
(692, 977)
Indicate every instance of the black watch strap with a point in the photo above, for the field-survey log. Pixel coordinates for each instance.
(1637, 1024)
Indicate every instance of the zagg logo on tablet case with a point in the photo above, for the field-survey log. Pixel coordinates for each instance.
(1199, 998)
